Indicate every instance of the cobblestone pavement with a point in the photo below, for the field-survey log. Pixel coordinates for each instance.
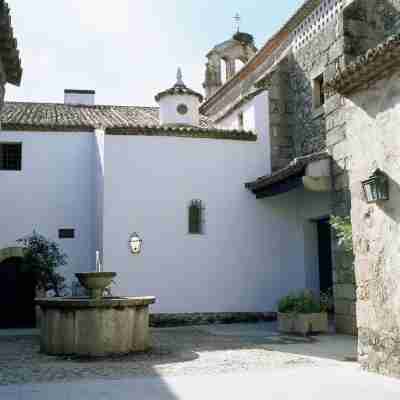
(177, 351)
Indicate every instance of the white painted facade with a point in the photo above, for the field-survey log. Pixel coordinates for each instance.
(106, 187)
(256, 119)
(54, 190)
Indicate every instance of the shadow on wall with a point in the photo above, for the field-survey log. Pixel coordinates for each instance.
(391, 207)
(379, 98)
(306, 130)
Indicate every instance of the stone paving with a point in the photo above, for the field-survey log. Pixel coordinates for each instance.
(205, 350)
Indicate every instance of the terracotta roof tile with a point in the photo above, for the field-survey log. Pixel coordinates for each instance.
(367, 67)
(58, 117)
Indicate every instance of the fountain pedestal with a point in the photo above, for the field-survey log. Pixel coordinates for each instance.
(95, 326)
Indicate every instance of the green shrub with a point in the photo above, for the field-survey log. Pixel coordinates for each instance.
(344, 233)
(43, 257)
(304, 302)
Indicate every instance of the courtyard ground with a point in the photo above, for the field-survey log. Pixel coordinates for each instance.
(218, 361)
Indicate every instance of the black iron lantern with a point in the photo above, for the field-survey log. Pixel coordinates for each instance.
(135, 243)
(376, 188)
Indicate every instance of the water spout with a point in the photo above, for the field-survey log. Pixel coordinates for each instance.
(99, 267)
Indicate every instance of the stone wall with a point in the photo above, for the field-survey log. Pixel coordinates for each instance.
(320, 55)
(280, 139)
(373, 118)
(367, 23)
(313, 129)
(362, 25)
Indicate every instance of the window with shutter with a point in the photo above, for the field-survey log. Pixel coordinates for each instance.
(195, 217)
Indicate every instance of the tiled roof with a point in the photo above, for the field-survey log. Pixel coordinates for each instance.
(295, 167)
(367, 67)
(8, 47)
(184, 131)
(64, 117)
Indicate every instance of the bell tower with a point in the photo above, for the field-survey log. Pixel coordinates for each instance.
(225, 55)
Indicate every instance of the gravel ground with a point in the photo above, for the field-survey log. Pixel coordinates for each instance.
(176, 351)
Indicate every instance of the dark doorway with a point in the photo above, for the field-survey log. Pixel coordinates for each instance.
(325, 255)
(17, 295)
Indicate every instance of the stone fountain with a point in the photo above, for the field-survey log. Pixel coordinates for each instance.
(95, 325)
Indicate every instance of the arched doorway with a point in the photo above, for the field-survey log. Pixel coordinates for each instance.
(17, 291)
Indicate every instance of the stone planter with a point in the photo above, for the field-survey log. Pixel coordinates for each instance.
(303, 323)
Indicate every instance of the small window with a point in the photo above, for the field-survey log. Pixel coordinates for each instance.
(241, 121)
(66, 233)
(318, 92)
(10, 156)
(196, 217)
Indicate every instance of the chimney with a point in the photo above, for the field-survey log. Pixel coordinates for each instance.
(79, 97)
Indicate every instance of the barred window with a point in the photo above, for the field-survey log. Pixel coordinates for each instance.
(196, 217)
(10, 156)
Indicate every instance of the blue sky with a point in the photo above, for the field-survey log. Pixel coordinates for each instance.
(127, 50)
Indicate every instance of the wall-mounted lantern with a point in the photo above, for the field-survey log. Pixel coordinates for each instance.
(135, 243)
(376, 188)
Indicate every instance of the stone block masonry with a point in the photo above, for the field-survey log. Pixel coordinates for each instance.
(165, 320)
(314, 129)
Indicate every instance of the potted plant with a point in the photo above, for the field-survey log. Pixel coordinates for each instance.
(302, 313)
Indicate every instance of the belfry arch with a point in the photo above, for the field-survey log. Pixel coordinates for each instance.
(225, 55)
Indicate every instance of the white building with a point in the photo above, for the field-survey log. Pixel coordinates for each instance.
(89, 175)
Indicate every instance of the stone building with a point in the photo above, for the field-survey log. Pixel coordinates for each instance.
(305, 120)
(291, 69)
(89, 176)
(370, 113)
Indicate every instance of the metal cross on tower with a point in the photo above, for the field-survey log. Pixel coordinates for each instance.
(237, 20)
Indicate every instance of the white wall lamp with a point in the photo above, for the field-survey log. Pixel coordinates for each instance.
(135, 243)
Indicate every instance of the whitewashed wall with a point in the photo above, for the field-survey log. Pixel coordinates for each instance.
(54, 190)
(170, 115)
(256, 119)
(252, 252)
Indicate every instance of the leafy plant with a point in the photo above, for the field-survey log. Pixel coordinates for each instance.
(326, 301)
(42, 258)
(304, 302)
(344, 232)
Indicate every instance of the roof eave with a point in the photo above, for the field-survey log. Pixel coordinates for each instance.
(368, 67)
(9, 47)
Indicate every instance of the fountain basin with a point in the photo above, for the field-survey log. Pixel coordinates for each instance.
(94, 327)
(96, 282)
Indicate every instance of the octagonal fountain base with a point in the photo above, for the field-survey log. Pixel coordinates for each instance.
(95, 327)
